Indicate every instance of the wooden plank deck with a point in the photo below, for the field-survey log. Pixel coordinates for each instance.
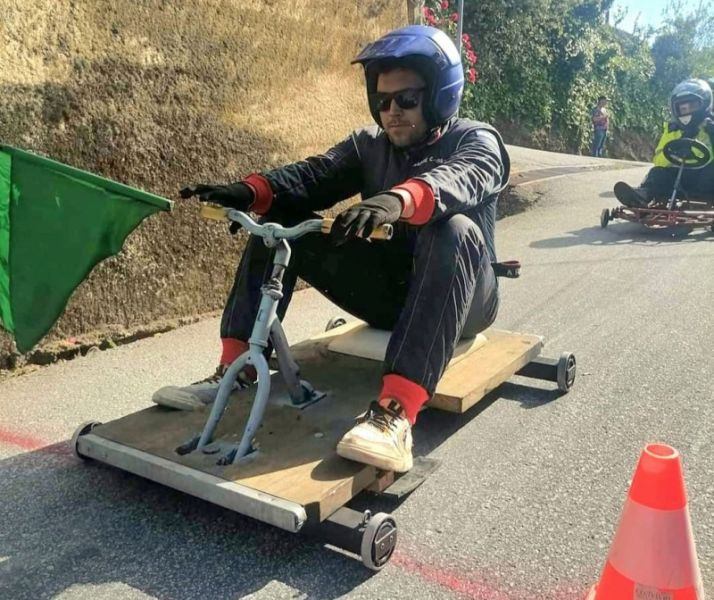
(295, 458)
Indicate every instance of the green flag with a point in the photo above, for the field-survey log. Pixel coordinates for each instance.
(56, 224)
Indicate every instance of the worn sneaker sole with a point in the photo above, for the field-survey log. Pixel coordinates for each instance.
(381, 461)
(628, 196)
(175, 397)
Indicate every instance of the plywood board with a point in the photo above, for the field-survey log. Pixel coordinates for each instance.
(467, 382)
(296, 459)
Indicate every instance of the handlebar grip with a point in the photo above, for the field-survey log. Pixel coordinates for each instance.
(383, 232)
(213, 212)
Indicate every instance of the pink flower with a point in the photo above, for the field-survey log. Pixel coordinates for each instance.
(471, 56)
(455, 17)
(427, 12)
(465, 37)
(472, 76)
(431, 20)
(444, 5)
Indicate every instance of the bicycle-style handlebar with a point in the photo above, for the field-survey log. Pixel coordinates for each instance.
(277, 231)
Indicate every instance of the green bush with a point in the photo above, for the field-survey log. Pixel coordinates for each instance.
(543, 63)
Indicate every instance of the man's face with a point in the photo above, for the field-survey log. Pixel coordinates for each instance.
(404, 126)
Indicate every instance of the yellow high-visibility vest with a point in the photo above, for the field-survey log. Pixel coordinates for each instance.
(659, 159)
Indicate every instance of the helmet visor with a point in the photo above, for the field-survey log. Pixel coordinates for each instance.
(687, 106)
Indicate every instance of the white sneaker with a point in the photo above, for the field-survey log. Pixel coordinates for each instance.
(199, 394)
(382, 438)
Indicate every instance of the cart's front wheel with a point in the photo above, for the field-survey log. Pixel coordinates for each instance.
(378, 541)
(566, 371)
(604, 218)
(83, 429)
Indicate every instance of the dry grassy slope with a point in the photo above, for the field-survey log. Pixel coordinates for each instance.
(161, 93)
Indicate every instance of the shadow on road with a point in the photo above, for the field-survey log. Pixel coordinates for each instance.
(436, 426)
(617, 234)
(66, 523)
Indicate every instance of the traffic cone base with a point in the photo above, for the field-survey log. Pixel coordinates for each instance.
(653, 556)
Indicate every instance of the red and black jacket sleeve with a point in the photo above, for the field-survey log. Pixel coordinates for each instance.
(315, 183)
(474, 172)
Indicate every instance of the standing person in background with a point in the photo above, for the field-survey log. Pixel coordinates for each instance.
(600, 118)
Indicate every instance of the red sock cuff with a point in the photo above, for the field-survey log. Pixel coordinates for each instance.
(232, 349)
(411, 396)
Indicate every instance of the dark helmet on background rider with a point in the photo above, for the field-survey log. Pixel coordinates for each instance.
(691, 102)
(426, 50)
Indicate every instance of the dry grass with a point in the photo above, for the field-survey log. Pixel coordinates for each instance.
(158, 94)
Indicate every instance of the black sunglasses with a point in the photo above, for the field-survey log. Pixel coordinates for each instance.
(405, 99)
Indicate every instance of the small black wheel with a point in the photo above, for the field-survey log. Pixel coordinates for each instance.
(378, 541)
(604, 218)
(335, 322)
(83, 429)
(566, 371)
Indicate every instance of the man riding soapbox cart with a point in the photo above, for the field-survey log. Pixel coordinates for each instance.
(268, 451)
(681, 208)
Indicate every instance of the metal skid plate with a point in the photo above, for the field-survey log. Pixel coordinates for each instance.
(239, 498)
(405, 484)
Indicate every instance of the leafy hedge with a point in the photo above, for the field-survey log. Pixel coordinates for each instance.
(543, 63)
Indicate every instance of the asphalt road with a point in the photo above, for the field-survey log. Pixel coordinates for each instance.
(531, 486)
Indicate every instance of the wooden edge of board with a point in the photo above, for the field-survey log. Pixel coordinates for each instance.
(453, 396)
(233, 496)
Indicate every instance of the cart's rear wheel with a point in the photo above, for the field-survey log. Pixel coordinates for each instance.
(83, 429)
(566, 371)
(378, 541)
(335, 322)
(604, 218)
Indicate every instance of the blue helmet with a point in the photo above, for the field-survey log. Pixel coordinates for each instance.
(431, 53)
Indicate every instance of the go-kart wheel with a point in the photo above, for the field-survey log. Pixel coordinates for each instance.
(335, 322)
(604, 218)
(83, 429)
(378, 541)
(566, 371)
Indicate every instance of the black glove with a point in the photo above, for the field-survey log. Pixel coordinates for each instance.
(236, 195)
(363, 218)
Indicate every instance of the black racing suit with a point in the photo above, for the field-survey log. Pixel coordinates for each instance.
(431, 283)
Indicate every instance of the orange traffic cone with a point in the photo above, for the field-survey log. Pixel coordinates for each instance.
(653, 555)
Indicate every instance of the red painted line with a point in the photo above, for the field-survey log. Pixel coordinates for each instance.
(466, 587)
(477, 590)
(27, 442)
